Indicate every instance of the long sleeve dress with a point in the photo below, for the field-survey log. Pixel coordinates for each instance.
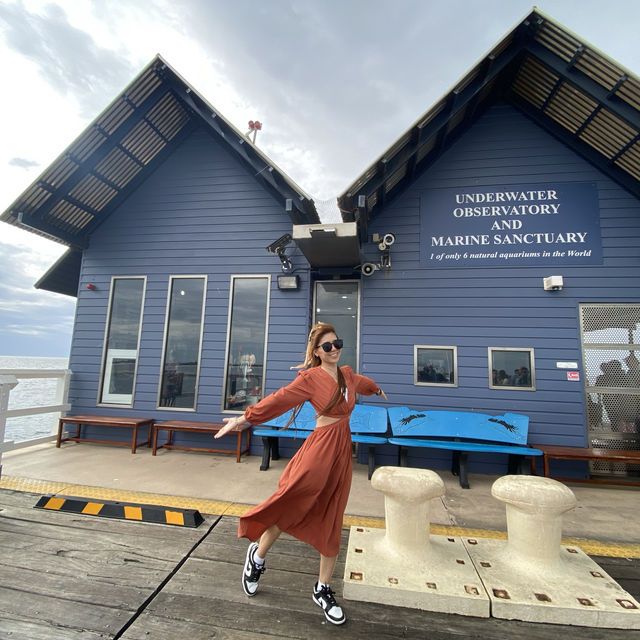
(314, 488)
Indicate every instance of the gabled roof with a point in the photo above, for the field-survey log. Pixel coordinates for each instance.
(564, 84)
(120, 148)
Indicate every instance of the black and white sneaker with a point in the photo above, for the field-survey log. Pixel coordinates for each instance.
(251, 572)
(324, 598)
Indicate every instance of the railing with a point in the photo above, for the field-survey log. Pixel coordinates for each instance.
(8, 380)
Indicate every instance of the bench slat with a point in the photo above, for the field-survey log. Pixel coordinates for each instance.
(132, 422)
(509, 427)
(461, 432)
(465, 446)
(196, 426)
(628, 456)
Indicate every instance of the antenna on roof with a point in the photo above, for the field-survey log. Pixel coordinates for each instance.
(254, 126)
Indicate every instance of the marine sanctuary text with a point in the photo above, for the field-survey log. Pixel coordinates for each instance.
(557, 222)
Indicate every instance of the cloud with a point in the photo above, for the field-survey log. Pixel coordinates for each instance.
(23, 163)
(67, 58)
(338, 81)
(22, 307)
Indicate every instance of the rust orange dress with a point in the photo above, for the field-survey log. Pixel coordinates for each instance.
(314, 488)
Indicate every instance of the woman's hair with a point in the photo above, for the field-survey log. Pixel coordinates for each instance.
(319, 330)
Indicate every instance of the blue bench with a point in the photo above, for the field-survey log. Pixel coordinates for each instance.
(368, 425)
(462, 433)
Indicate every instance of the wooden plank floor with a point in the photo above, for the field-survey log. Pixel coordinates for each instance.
(71, 576)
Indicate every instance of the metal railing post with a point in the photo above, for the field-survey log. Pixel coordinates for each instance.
(7, 382)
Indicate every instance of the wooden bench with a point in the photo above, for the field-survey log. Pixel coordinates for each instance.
(368, 425)
(107, 421)
(551, 452)
(192, 426)
(462, 433)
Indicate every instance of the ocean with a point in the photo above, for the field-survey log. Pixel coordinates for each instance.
(31, 393)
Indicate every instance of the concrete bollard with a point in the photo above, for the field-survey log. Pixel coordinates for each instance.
(534, 507)
(407, 493)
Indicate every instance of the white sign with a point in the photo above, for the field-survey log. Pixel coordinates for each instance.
(567, 365)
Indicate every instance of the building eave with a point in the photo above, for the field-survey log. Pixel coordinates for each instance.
(562, 82)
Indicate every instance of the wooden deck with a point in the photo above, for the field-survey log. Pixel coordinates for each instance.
(68, 576)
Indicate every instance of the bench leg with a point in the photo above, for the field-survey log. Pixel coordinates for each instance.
(372, 460)
(134, 438)
(519, 464)
(403, 455)
(266, 453)
(461, 463)
(275, 448)
(59, 438)
(455, 463)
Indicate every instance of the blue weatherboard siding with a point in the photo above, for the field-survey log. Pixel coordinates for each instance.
(200, 212)
(480, 307)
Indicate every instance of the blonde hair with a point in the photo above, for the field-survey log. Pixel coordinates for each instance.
(312, 360)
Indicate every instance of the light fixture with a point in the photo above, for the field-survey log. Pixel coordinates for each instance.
(327, 232)
(288, 282)
(552, 283)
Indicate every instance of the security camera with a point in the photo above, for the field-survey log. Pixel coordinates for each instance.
(368, 268)
(280, 244)
(388, 239)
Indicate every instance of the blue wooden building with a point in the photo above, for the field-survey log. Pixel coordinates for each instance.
(514, 278)
(489, 260)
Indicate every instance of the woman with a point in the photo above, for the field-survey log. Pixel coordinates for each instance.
(314, 487)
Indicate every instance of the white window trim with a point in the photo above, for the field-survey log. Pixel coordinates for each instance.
(441, 385)
(358, 304)
(104, 373)
(193, 409)
(510, 387)
(232, 280)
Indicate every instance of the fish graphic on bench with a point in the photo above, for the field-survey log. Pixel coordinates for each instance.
(462, 433)
(368, 426)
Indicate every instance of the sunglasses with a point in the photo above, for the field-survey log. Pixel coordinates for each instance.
(327, 346)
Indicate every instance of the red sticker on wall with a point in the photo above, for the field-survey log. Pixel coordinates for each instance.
(573, 375)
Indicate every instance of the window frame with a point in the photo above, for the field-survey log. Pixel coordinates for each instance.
(104, 374)
(450, 385)
(532, 369)
(356, 369)
(172, 278)
(232, 279)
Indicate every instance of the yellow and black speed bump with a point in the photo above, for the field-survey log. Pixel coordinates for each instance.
(121, 510)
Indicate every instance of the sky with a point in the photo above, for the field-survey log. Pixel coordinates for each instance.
(334, 83)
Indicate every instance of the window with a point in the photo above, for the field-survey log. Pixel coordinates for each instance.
(246, 342)
(182, 343)
(337, 303)
(121, 342)
(511, 369)
(437, 366)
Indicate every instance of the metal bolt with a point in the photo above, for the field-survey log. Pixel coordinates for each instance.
(543, 597)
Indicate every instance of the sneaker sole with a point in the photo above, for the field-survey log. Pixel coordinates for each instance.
(246, 561)
(336, 622)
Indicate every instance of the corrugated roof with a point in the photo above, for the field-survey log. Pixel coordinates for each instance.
(565, 84)
(79, 190)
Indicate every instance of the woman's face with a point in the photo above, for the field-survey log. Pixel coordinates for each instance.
(327, 357)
